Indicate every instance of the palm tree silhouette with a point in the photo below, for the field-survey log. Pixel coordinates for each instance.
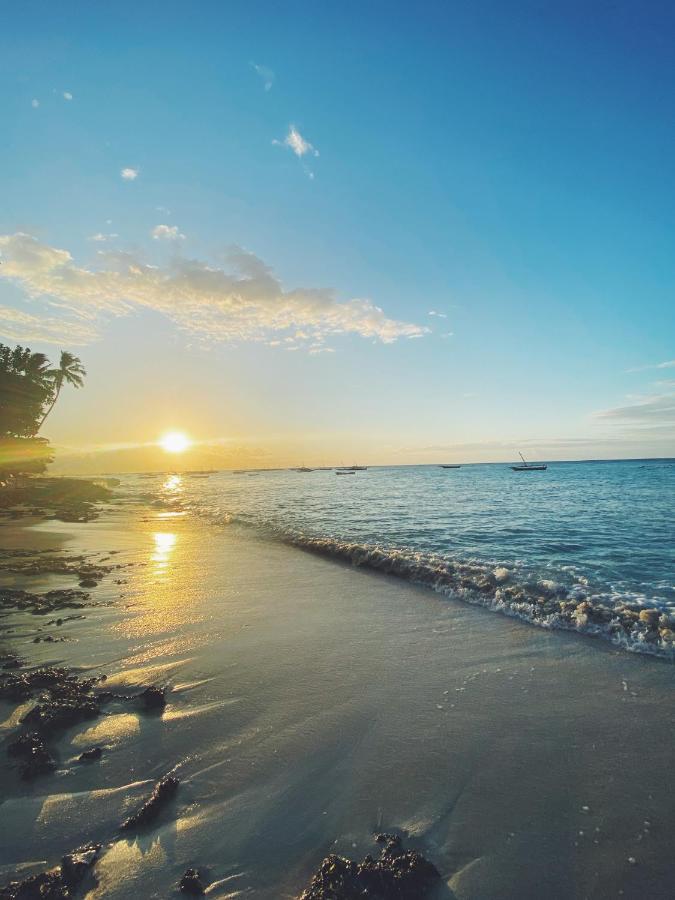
(70, 371)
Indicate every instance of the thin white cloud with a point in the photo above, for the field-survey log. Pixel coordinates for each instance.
(669, 364)
(67, 95)
(245, 302)
(130, 174)
(167, 233)
(35, 103)
(297, 143)
(657, 409)
(440, 315)
(17, 325)
(265, 74)
(101, 238)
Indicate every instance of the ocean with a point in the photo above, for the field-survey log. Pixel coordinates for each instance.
(588, 546)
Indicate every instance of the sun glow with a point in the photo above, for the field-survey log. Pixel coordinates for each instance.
(174, 442)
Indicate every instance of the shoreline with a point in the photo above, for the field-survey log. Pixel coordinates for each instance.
(310, 705)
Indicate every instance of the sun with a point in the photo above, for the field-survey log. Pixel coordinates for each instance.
(174, 442)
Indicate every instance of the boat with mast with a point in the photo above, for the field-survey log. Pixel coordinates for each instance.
(529, 467)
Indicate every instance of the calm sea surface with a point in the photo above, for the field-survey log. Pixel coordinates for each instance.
(531, 544)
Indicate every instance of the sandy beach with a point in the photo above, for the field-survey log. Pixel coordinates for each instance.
(310, 706)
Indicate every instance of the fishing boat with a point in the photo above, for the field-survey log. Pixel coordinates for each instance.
(345, 472)
(529, 467)
(450, 466)
(352, 469)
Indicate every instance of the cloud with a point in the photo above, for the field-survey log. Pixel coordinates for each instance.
(22, 326)
(243, 302)
(265, 74)
(130, 174)
(297, 143)
(67, 95)
(167, 233)
(101, 238)
(440, 315)
(657, 409)
(669, 364)
(35, 103)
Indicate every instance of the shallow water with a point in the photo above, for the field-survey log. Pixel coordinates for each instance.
(521, 543)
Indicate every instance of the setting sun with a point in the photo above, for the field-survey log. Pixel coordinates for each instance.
(174, 442)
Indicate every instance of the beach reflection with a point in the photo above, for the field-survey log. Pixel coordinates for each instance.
(165, 543)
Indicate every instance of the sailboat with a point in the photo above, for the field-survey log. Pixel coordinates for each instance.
(529, 467)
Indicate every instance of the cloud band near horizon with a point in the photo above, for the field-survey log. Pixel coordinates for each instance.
(243, 303)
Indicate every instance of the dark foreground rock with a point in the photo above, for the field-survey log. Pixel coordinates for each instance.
(35, 758)
(397, 875)
(163, 792)
(58, 883)
(192, 884)
(153, 697)
(91, 755)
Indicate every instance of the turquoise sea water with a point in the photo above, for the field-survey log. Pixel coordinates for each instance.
(582, 545)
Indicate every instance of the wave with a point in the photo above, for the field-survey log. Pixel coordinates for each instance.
(629, 623)
(541, 602)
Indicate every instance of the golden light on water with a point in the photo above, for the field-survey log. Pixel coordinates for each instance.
(164, 544)
(175, 442)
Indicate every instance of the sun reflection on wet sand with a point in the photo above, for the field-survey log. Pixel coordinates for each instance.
(164, 589)
(165, 542)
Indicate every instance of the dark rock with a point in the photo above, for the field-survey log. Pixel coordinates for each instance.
(192, 884)
(153, 697)
(163, 792)
(56, 715)
(58, 883)
(75, 865)
(91, 755)
(397, 875)
(35, 757)
(88, 583)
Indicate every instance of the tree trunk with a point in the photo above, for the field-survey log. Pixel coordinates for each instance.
(51, 407)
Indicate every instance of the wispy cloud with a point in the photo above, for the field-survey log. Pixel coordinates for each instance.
(167, 233)
(101, 238)
(669, 364)
(244, 302)
(130, 174)
(297, 143)
(22, 326)
(35, 103)
(655, 409)
(67, 95)
(440, 315)
(265, 74)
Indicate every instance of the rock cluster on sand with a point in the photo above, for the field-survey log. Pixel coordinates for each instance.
(59, 883)
(398, 874)
(163, 792)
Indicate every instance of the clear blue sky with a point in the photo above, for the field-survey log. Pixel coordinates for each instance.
(509, 165)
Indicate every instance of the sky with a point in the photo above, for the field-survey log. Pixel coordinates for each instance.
(325, 233)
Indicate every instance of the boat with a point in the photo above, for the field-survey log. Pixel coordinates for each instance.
(352, 469)
(345, 472)
(303, 469)
(450, 466)
(529, 467)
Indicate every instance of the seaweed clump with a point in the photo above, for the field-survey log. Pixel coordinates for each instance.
(397, 874)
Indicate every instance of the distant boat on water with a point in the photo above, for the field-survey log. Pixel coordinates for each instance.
(450, 466)
(345, 472)
(354, 468)
(303, 469)
(529, 467)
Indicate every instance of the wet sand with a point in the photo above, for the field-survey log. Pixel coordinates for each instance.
(311, 705)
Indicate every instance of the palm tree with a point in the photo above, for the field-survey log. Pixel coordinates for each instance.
(70, 371)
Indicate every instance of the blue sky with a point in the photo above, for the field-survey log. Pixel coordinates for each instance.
(509, 166)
